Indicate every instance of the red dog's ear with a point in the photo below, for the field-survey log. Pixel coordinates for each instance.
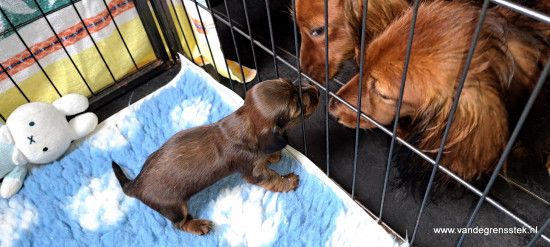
(477, 137)
(272, 141)
(478, 134)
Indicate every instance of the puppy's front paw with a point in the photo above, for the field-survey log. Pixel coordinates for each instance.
(196, 226)
(274, 182)
(290, 182)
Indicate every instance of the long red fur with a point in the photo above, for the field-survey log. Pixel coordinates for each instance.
(344, 19)
(507, 61)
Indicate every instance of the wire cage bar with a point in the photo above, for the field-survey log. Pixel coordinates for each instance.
(327, 67)
(63, 46)
(120, 35)
(14, 84)
(206, 37)
(399, 104)
(93, 40)
(234, 41)
(98, 97)
(452, 113)
(514, 135)
(14, 29)
(359, 94)
(226, 20)
(274, 53)
(299, 77)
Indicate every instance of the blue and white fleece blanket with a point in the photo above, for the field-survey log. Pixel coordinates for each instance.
(77, 201)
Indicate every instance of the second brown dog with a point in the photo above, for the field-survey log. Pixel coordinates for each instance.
(344, 24)
(507, 61)
(245, 141)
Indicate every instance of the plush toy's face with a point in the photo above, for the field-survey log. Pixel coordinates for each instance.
(40, 132)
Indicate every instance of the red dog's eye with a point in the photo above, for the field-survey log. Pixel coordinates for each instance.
(318, 31)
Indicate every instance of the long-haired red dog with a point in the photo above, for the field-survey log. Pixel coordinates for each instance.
(344, 20)
(344, 30)
(506, 64)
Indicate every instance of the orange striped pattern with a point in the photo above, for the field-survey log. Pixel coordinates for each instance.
(68, 36)
(199, 26)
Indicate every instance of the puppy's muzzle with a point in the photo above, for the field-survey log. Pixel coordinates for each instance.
(302, 79)
(333, 109)
(306, 84)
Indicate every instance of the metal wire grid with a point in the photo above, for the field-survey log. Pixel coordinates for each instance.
(98, 97)
(296, 67)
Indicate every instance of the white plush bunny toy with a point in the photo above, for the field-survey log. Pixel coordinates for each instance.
(40, 133)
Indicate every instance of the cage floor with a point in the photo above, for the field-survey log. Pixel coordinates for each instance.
(525, 194)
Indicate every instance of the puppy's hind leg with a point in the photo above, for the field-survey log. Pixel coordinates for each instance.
(270, 180)
(179, 215)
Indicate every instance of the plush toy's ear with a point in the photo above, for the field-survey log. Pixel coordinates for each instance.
(272, 141)
(83, 124)
(18, 158)
(5, 135)
(71, 104)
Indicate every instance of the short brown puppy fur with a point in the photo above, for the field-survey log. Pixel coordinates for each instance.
(506, 63)
(246, 141)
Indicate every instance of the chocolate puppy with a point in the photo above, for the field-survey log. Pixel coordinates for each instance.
(245, 141)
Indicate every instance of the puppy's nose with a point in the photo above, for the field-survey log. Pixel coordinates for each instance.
(332, 104)
(296, 83)
(331, 117)
(302, 80)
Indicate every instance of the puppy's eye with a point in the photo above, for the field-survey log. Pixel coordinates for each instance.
(318, 31)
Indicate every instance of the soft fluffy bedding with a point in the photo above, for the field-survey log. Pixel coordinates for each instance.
(77, 201)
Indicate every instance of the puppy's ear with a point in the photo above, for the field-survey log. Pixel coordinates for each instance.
(272, 141)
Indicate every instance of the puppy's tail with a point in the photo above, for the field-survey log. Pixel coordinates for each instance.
(122, 179)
